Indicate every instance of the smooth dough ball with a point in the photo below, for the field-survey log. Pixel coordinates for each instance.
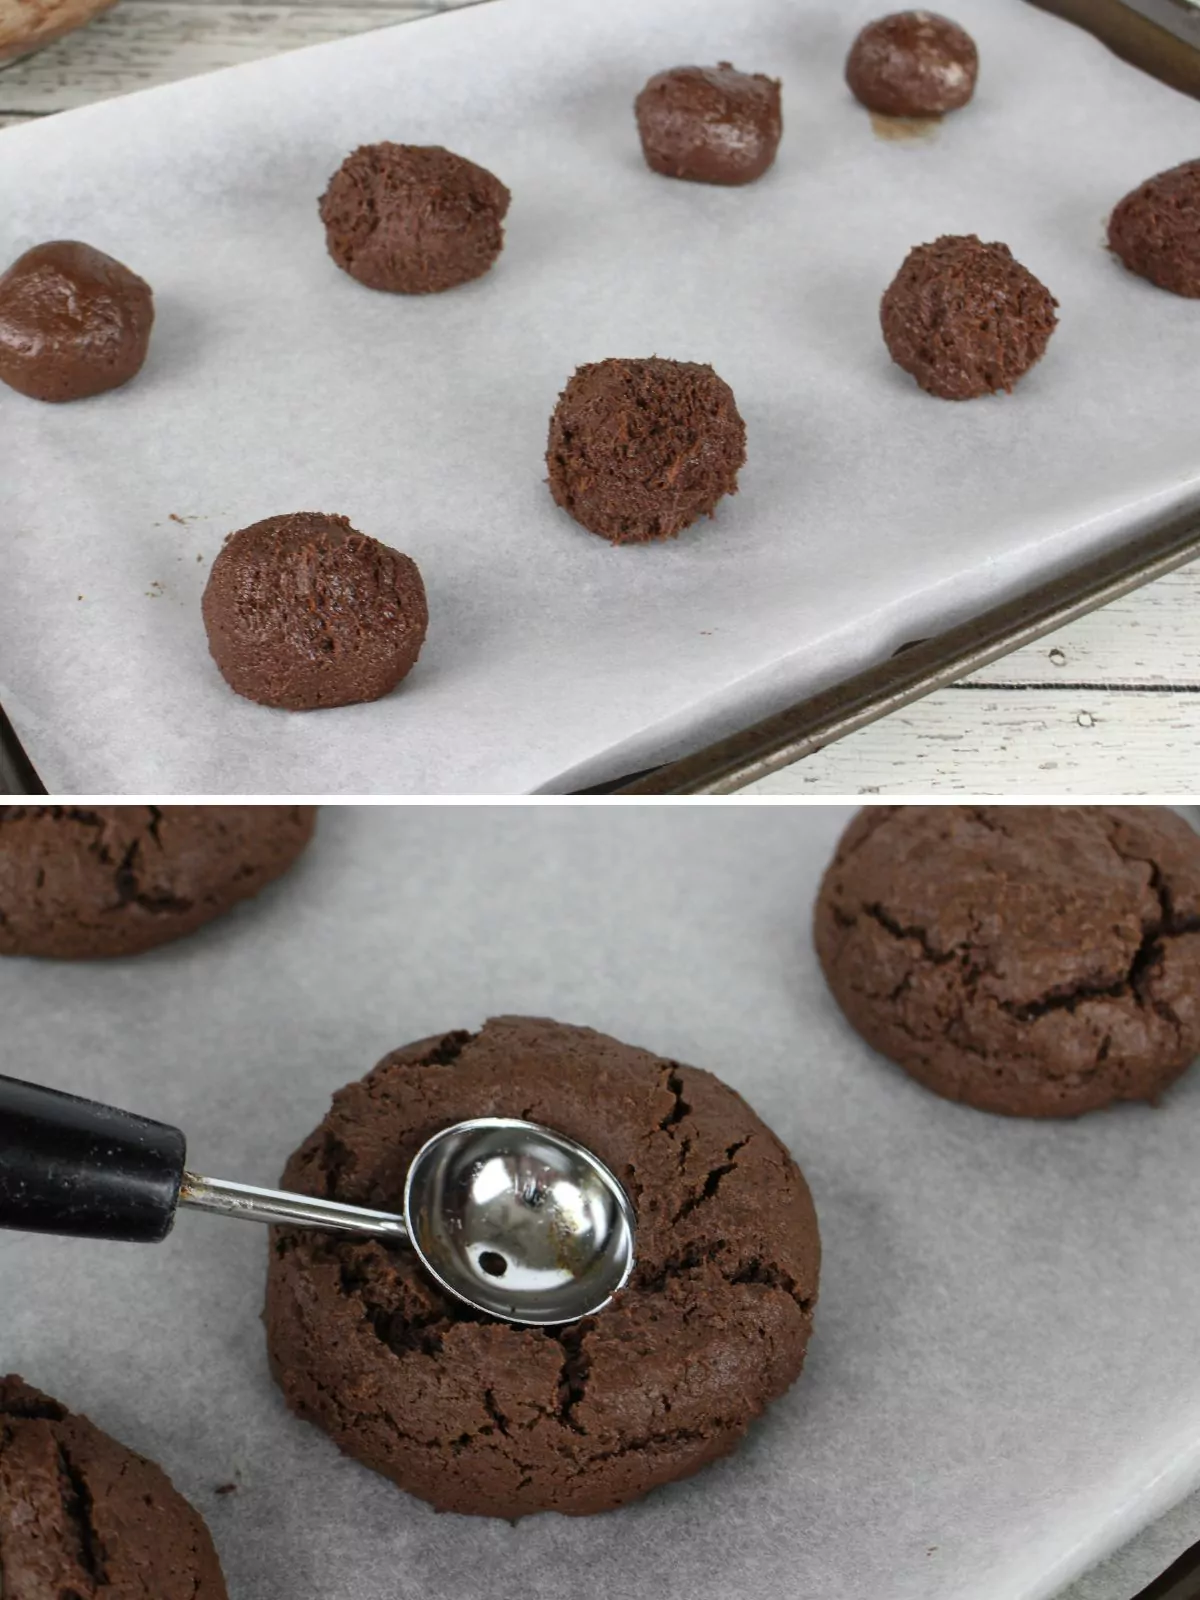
(83, 881)
(302, 611)
(640, 449)
(912, 64)
(965, 319)
(490, 1419)
(1039, 961)
(710, 124)
(413, 219)
(1155, 230)
(73, 322)
(82, 1516)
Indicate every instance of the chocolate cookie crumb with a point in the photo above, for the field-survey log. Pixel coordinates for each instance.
(1155, 230)
(413, 219)
(85, 881)
(710, 124)
(82, 1516)
(1039, 961)
(965, 319)
(485, 1418)
(73, 322)
(303, 611)
(913, 64)
(639, 450)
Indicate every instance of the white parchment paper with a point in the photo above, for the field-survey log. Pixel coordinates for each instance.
(1004, 1380)
(869, 513)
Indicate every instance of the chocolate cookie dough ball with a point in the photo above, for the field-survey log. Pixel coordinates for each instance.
(710, 124)
(965, 319)
(1039, 961)
(303, 611)
(486, 1418)
(640, 449)
(912, 64)
(73, 322)
(82, 1517)
(82, 881)
(1155, 230)
(413, 219)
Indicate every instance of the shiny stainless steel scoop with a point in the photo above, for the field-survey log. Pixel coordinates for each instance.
(512, 1218)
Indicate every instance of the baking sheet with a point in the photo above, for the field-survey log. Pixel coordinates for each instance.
(1004, 1378)
(869, 513)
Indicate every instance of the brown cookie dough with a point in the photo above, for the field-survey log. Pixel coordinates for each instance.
(413, 219)
(1155, 230)
(710, 124)
(84, 1518)
(965, 319)
(303, 611)
(482, 1417)
(1039, 961)
(912, 64)
(73, 322)
(640, 449)
(82, 881)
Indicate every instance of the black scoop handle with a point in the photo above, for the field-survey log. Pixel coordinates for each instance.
(72, 1166)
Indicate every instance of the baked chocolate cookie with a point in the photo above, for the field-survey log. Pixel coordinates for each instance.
(82, 881)
(912, 64)
(73, 322)
(1155, 230)
(84, 1518)
(303, 611)
(710, 124)
(639, 450)
(964, 319)
(1039, 961)
(413, 219)
(483, 1417)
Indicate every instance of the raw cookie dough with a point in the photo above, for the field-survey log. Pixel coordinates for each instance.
(710, 124)
(1155, 230)
(303, 611)
(965, 319)
(81, 881)
(84, 1518)
(483, 1417)
(640, 449)
(73, 322)
(1039, 961)
(912, 64)
(413, 219)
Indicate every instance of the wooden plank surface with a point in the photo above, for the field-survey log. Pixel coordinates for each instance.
(1110, 705)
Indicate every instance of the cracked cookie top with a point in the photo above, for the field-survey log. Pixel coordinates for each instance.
(1033, 960)
(83, 1517)
(480, 1416)
(81, 881)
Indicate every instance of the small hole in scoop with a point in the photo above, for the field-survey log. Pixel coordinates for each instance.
(493, 1263)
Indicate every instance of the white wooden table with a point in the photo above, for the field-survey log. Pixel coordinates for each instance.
(1110, 705)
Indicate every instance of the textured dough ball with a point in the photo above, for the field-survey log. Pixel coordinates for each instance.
(73, 322)
(965, 319)
(1155, 230)
(302, 611)
(413, 219)
(710, 124)
(640, 449)
(912, 64)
